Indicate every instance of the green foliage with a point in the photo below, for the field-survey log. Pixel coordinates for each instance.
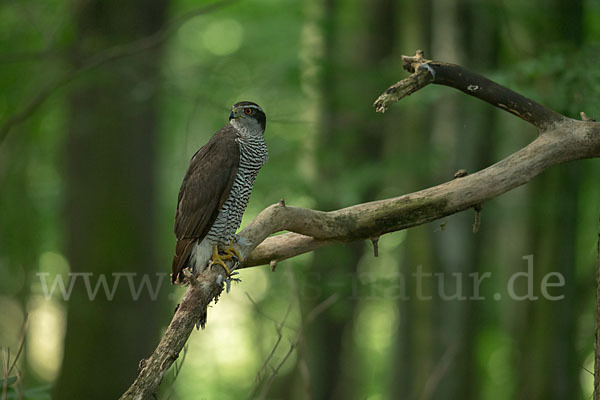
(568, 78)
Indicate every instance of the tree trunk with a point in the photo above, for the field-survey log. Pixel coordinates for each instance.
(110, 158)
(345, 128)
(549, 365)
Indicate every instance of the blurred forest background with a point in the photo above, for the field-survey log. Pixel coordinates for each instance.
(103, 103)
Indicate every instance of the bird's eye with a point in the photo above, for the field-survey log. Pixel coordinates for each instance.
(248, 111)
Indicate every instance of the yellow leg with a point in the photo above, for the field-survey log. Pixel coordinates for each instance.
(230, 252)
(217, 259)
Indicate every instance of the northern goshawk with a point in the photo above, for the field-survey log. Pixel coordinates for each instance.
(215, 191)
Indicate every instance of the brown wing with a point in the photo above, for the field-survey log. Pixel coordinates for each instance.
(204, 189)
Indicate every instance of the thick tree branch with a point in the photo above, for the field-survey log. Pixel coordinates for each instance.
(562, 140)
(570, 140)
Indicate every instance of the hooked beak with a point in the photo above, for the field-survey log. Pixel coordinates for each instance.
(231, 115)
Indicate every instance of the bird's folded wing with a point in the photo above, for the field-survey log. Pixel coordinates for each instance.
(206, 186)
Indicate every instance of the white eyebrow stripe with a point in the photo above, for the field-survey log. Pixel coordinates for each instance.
(251, 106)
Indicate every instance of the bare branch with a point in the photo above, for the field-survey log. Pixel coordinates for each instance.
(315, 312)
(563, 140)
(7, 366)
(442, 367)
(426, 71)
(477, 222)
(262, 372)
(21, 343)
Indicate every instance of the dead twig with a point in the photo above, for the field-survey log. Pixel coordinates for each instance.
(315, 312)
(438, 373)
(7, 366)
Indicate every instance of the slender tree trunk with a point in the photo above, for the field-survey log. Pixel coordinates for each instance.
(325, 339)
(464, 250)
(345, 128)
(597, 325)
(549, 365)
(452, 247)
(448, 368)
(110, 158)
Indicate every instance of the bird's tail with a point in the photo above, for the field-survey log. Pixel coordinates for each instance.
(183, 250)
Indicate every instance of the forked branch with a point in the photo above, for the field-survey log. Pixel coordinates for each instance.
(561, 139)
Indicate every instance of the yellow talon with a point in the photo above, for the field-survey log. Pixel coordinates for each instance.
(217, 259)
(230, 251)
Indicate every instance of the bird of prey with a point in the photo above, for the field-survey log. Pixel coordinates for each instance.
(215, 191)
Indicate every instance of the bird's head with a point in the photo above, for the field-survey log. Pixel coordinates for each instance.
(248, 116)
